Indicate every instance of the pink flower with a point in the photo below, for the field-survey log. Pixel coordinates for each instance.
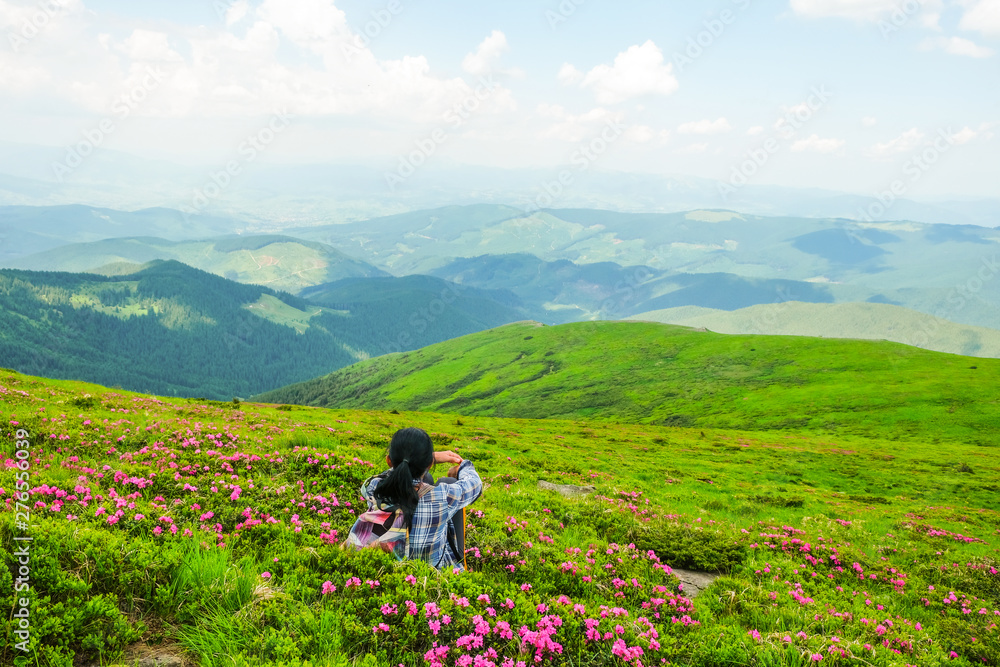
(265, 575)
(435, 626)
(328, 588)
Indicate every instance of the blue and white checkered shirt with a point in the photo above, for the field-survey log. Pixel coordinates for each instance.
(429, 527)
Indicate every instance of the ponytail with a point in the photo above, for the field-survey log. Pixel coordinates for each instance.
(411, 452)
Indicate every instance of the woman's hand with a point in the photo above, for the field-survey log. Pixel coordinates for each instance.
(447, 457)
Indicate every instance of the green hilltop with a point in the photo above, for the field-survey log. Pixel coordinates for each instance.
(653, 373)
(275, 261)
(876, 321)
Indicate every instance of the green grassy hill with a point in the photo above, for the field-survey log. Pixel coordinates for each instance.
(171, 329)
(279, 262)
(660, 374)
(167, 329)
(212, 532)
(875, 321)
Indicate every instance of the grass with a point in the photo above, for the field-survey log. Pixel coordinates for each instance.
(277, 311)
(660, 374)
(840, 320)
(788, 518)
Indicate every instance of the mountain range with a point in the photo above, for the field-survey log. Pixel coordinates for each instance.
(166, 328)
(271, 197)
(278, 262)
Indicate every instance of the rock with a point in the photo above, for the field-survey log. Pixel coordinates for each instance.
(694, 582)
(568, 490)
(161, 661)
(149, 661)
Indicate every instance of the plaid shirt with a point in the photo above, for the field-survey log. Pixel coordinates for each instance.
(429, 527)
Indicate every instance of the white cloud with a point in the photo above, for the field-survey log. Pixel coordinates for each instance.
(931, 20)
(316, 25)
(907, 141)
(236, 11)
(869, 121)
(815, 144)
(981, 15)
(755, 130)
(964, 136)
(486, 58)
(147, 45)
(16, 16)
(718, 126)
(568, 75)
(898, 12)
(573, 128)
(957, 46)
(863, 10)
(636, 72)
(300, 56)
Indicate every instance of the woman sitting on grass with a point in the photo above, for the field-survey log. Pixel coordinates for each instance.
(408, 513)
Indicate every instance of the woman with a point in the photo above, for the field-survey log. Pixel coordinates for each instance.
(407, 513)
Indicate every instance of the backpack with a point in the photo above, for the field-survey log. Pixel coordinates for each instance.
(384, 527)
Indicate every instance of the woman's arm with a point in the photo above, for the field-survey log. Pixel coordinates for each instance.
(468, 487)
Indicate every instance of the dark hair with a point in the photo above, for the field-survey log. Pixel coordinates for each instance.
(411, 453)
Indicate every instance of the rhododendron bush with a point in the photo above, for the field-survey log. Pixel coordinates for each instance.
(214, 531)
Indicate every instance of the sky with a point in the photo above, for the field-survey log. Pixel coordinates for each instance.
(851, 95)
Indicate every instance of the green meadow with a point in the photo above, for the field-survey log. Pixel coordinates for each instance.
(651, 373)
(212, 531)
